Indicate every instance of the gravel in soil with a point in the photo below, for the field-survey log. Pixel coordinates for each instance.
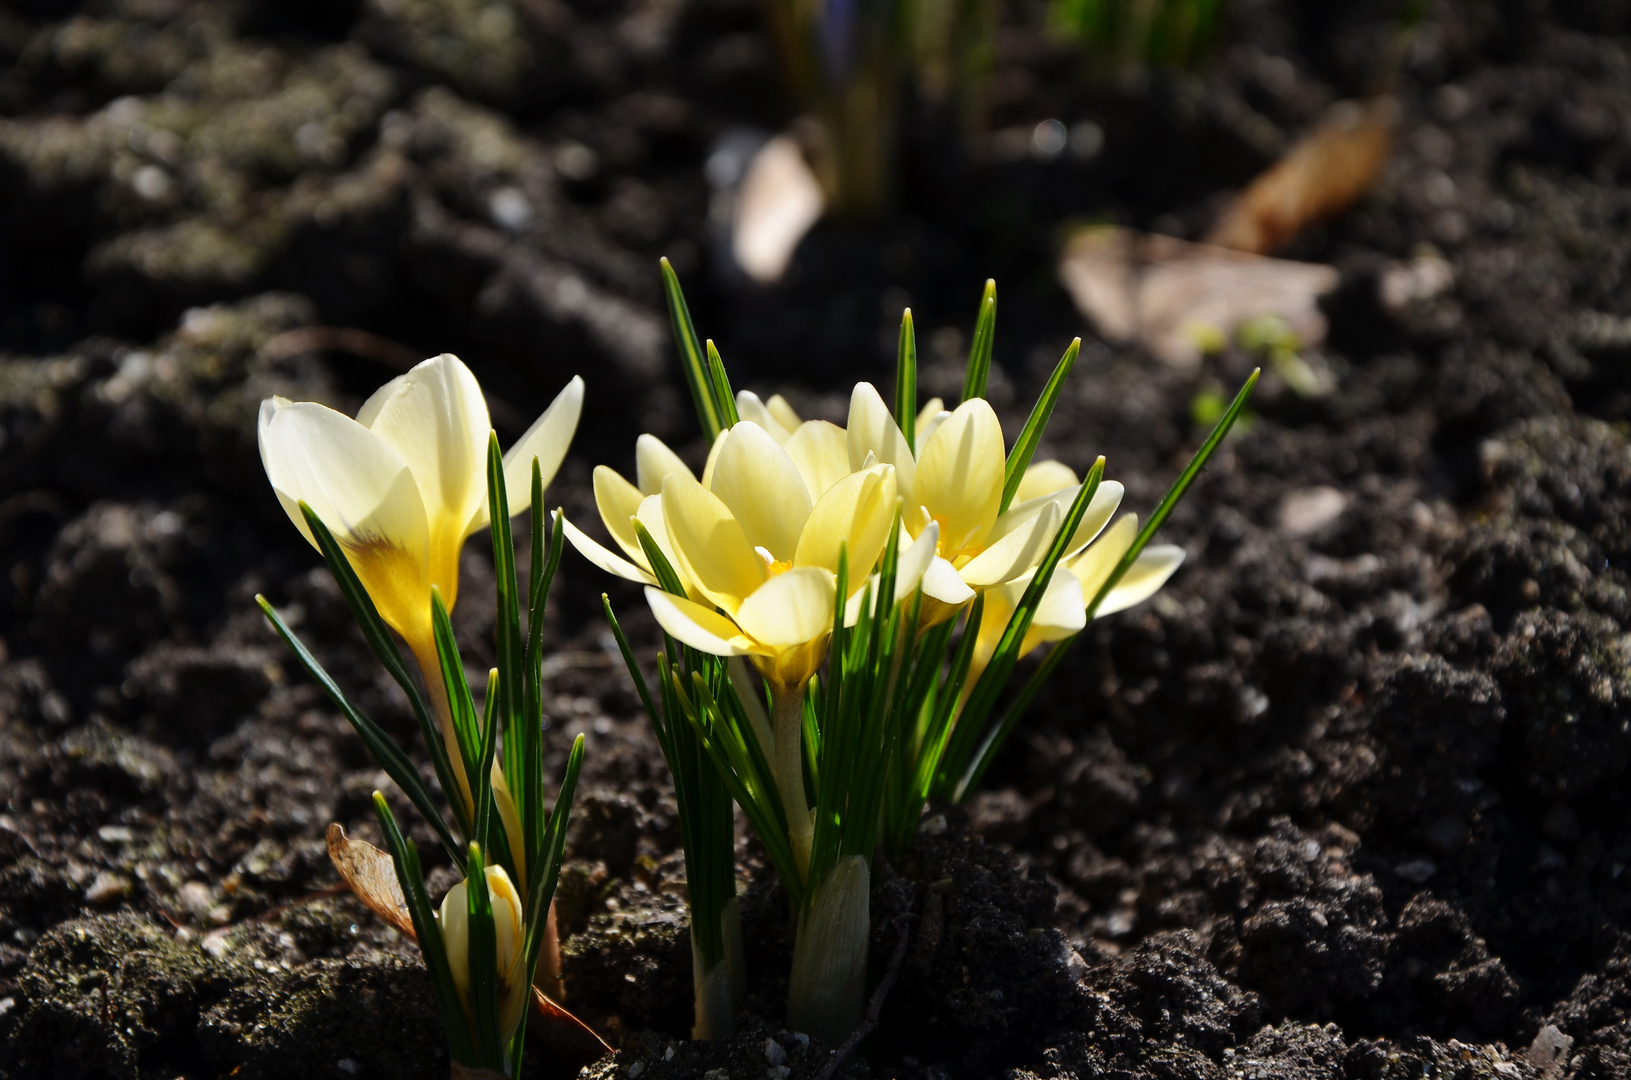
(1346, 800)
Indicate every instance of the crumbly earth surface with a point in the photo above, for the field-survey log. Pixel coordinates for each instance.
(1347, 800)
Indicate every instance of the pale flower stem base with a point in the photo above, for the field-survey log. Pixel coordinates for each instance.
(787, 706)
(721, 988)
(430, 667)
(826, 997)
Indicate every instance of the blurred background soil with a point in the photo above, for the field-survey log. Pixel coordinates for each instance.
(1347, 800)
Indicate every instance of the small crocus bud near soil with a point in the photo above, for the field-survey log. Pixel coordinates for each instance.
(509, 933)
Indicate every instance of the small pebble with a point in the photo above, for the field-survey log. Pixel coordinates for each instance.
(116, 834)
(347, 1065)
(774, 1054)
(107, 888)
(668, 1055)
(801, 1038)
(636, 1069)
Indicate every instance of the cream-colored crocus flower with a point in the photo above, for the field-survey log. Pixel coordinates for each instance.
(509, 937)
(761, 546)
(955, 481)
(404, 484)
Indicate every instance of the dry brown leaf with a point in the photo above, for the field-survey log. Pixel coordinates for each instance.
(563, 1035)
(372, 876)
(1171, 296)
(1328, 171)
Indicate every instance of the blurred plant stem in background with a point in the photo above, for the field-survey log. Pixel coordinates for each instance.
(1137, 33)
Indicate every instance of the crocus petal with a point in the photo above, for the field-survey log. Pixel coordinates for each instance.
(1015, 553)
(653, 460)
(821, 452)
(546, 440)
(855, 513)
(1094, 564)
(1154, 565)
(713, 460)
(1044, 478)
(942, 582)
(783, 413)
(960, 475)
(376, 401)
(790, 609)
(692, 624)
(1058, 615)
(437, 420)
(618, 500)
(750, 408)
(762, 487)
(873, 430)
(650, 515)
(365, 493)
(608, 561)
(710, 547)
(930, 417)
(1099, 511)
(508, 934)
(915, 561)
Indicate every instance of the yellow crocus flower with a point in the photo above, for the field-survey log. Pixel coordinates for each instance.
(404, 484)
(509, 936)
(955, 482)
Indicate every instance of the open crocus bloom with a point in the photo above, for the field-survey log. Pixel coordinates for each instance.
(955, 481)
(405, 483)
(761, 545)
(1063, 610)
(509, 935)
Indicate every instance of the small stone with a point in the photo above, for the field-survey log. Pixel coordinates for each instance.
(195, 897)
(668, 1055)
(348, 1065)
(802, 1039)
(107, 888)
(6, 1005)
(116, 834)
(1308, 510)
(1549, 1051)
(934, 825)
(636, 1069)
(774, 1054)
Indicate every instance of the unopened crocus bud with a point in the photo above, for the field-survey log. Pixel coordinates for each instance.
(509, 937)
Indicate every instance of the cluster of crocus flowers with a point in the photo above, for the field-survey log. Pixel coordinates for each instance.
(389, 498)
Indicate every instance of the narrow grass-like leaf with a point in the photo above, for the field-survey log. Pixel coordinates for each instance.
(724, 399)
(951, 779)
(460, 703)
(510, 647)
(692, 359)
(425, 927)
(906, 380)
(379, 639)
(999, 733)
(482, 959)
(1176, 492)
(383, 748)
(979, 352)
(1025, 446)
(546, 871)
(660, 566)
(488, 819)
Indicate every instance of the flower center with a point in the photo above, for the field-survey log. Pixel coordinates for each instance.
(773, 564)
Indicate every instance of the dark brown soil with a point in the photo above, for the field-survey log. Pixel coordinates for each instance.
(1347, 800)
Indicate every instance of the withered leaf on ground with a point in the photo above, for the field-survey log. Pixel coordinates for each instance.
(1326, 172)
(1173, 297)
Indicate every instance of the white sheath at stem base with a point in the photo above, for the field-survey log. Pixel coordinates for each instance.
(826, 997)
(787, 705)
(720, 989)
